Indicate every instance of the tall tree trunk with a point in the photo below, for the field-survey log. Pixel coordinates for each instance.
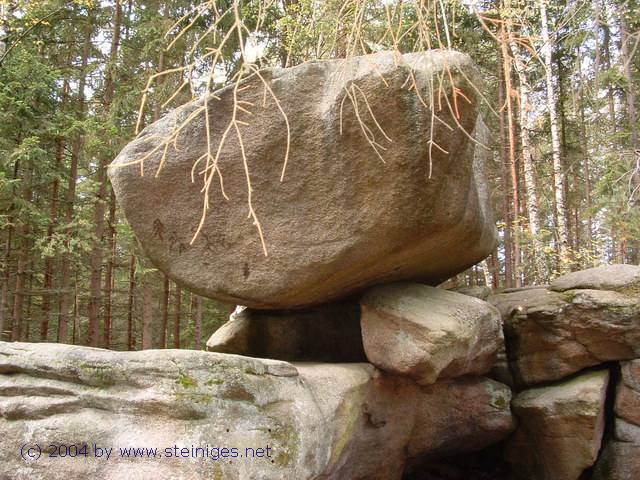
(533, 215)
(164, 333)
(67, 298)
(176, 319)
(197, 327)
(584, 146)
(147, 314)
(97, 254)
(558, 173)
(508, 89)
(109, 274)
(47, 293)
(131, 339)
(606, 48)
(6, 276)
(24, 232)
(504, 157)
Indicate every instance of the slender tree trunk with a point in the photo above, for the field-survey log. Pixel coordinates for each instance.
(27, 317)
(606, 46)
(97, 254)
(533, 215)
(164, 334)
(147, 314)
(584, 146)
(6, 277)
(23, 261)
(176, 319)
(504, 156)
(109, 274)
(558, 180)
(508, 89)
(131, 340)
(197, 328)
(53, 223)
(67, 298)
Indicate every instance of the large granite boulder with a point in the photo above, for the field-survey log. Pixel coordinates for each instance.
(428, 333)
(550, 335)
(560, 428)
(243, 418)
(341, 219)
(327, 333)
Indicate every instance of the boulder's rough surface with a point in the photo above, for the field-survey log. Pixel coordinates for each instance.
(309, 420)
(627, 404)
(328, 333)
(606, 277)
(341, 219)
(460, 416)
(620, 459)
(560, 428)
(550, 335)
(477, 291)
(428, 333)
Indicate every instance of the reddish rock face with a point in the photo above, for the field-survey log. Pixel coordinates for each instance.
(341, 219)
(560, 428)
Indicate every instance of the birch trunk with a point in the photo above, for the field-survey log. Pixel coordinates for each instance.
(558, 174)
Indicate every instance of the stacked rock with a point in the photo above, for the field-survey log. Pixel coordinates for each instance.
(566, 346)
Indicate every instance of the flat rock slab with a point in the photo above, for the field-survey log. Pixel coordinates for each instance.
(340, 220)
(428, 333)
(328, 333)
(204, 415)
(560, 428)
(606, 277)
(550, 335)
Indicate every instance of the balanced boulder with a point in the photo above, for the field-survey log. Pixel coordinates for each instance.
(341, 219)
(428, 333)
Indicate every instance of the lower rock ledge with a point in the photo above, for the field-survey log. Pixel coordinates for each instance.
(91, 413)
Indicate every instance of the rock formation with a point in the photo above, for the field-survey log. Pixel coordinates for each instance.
(583, 321)
(346, 362)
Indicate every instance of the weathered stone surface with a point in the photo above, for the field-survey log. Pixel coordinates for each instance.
(428, 333)
(477, 291)
(341, 220)
(620, 458)
(550, 335)
(606, 277)
(627, 405)
(560, 428)
(460, 416)
(320, 421)
(328, 333)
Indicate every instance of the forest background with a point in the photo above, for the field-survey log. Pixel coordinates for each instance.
(560, 99)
